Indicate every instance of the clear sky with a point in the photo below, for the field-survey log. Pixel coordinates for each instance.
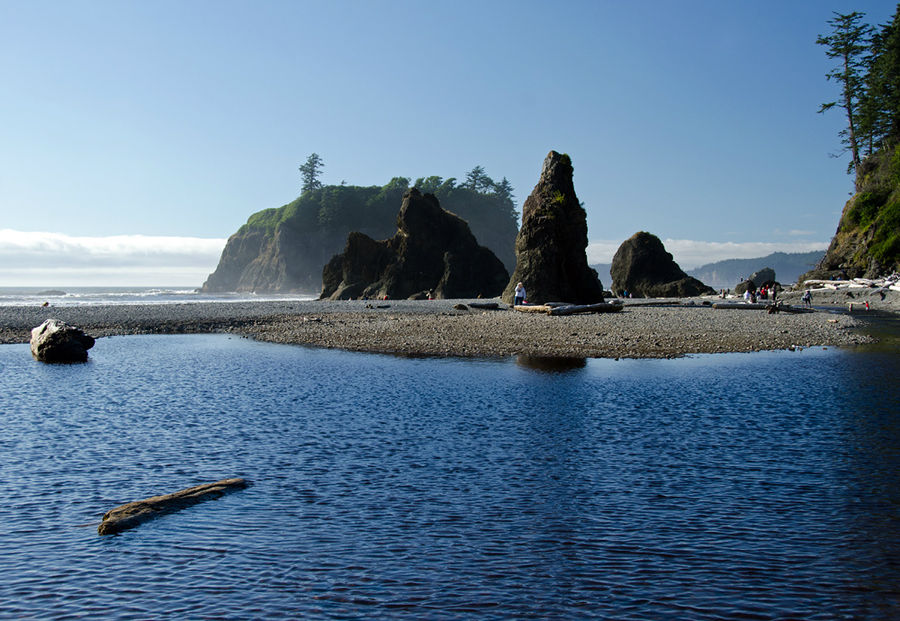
(136, 136)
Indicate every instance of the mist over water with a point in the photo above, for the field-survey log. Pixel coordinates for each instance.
(710, 487)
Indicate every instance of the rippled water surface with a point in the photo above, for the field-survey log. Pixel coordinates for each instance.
(748, 486)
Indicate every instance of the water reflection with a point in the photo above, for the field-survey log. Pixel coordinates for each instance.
(551, 364)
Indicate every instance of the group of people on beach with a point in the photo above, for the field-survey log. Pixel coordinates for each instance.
(762, 293)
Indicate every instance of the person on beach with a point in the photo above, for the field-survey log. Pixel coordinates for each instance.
(519, 295)
(807, 298)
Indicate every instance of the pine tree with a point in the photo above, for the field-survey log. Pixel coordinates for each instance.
(849, 42)
(309, 173)
(880, 117)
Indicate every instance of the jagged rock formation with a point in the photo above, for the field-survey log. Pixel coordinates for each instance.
(550, 248)
(867, 241)
(432, 252)
(643, 268)
(57, 341)
(284, 249)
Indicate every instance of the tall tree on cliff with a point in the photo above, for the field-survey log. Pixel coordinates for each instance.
(309, 173)
(849, 43)
(880, 118)
(477, 179)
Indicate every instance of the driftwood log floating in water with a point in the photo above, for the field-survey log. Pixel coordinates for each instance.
(135, 513)
(600, 307)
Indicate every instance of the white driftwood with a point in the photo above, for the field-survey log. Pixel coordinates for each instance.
(739, 306)
(532, 308)
(135, 513)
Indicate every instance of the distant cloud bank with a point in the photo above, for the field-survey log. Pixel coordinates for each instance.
(41, 259)
(55, 259)
(690, 254)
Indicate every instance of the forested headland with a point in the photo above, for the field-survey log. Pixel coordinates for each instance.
(284, 249)
(867, 71)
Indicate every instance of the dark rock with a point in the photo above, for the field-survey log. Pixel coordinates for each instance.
(432, 252)
(643, 268)
(742, 287)
(550, 248)
(765, 276)
(56, 341)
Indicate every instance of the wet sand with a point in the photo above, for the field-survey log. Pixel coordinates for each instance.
(436, 328)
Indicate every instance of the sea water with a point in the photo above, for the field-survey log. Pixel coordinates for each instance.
(727, 486)
(90, 296)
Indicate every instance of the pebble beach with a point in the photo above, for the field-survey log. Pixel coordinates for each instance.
(454, 328)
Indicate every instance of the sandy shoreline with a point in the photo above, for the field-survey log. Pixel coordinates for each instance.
(437, 328)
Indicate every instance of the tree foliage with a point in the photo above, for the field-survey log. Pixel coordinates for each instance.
(309, 173)
(868, 72)
(849, 43)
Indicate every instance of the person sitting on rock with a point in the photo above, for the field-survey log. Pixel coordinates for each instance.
(519, 295)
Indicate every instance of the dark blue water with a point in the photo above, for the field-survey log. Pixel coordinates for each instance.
(747, 486)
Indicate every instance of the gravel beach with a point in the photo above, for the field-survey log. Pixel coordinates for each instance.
(437, 327)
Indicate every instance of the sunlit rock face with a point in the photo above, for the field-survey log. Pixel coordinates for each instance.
(551, 257)
(57, 341)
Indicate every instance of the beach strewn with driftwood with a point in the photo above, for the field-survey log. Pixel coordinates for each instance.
(457, 328)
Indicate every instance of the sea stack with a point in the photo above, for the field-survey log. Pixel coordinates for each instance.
(643, 268)
(551, 257)
(433, 254)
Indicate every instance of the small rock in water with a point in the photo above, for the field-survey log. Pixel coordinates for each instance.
(57, 341)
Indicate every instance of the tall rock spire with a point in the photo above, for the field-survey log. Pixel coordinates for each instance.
(551, 257)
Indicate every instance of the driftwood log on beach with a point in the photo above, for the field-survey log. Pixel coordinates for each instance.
(135, 513)
(573, 309)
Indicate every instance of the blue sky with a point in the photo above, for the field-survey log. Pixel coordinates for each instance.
(131, 123)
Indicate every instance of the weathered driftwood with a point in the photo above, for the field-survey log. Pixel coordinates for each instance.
(485, 305)
(740, 306)
(532, 308)
(600, 307)
(135, 513)
(778, 308)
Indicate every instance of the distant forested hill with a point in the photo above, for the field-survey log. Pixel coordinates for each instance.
(726, 274)
(284, 249)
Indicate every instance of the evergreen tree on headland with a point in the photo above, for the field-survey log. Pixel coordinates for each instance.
(880, 115)
(867, 241)
(309, 173)
(849, 43)
(477, 179)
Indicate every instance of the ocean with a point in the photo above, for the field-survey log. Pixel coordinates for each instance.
(725, 486)
(80, 296)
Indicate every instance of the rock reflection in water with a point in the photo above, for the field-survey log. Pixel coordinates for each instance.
(551, 364)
